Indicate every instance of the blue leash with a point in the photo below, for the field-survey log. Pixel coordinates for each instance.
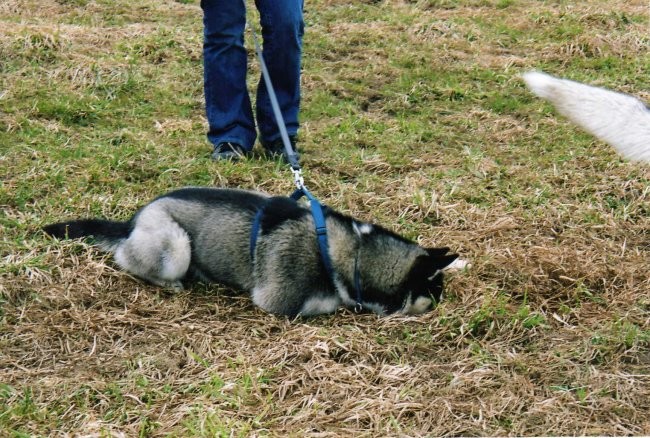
(316, 207)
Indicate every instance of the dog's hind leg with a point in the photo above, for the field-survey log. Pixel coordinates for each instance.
(157, 250)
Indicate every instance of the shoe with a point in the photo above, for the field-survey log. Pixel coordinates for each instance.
(228, 151)
(277, 150)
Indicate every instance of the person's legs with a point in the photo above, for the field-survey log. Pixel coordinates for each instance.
(228, 106)
(282, 31)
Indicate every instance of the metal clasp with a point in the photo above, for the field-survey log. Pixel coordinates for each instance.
(297, 178)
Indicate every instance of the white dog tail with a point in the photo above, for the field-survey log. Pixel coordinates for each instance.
(618, 119)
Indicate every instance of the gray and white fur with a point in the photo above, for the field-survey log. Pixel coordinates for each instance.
(618, 119)
(204, 234)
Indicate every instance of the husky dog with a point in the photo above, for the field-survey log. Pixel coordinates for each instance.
(618, 119)
(204, 234)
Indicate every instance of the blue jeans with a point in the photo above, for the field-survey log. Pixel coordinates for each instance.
(228, 105)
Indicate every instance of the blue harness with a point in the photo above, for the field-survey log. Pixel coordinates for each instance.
(321, 235)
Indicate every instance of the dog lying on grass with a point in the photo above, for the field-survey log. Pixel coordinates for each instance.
(204, 234)
(618, 119)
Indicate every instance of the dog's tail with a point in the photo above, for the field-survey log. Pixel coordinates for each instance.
(107, 234)
(618, 119)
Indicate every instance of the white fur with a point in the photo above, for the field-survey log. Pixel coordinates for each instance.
(457, 265)
(344, 294)
(618, 119)
(420, 305)
(318, 305)
(157, 249)
(261, 297)
(361, 229)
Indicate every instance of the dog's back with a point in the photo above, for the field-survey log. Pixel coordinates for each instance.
(157, 243)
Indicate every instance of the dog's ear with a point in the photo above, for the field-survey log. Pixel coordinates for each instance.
(439, 258)
(432, 263)
(426, 275)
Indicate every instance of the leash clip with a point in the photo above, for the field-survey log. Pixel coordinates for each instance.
(297, 178)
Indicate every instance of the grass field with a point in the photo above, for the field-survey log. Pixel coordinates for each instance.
(414, 117)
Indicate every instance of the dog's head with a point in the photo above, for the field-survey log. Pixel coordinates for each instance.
(398, 276)
(423, 286)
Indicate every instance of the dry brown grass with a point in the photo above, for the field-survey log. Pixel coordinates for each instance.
(414, 118)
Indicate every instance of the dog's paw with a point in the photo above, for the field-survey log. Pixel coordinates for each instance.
(171, 286)
(176, 286)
